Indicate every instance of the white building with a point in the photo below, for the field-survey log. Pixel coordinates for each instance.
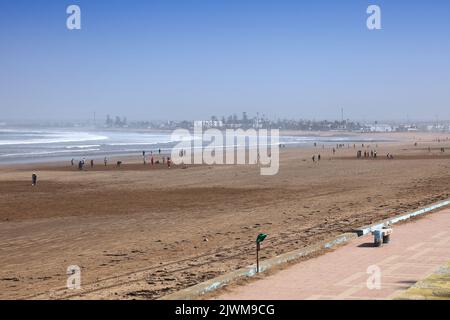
(380, 128)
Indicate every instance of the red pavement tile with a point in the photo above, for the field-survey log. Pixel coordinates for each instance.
(416, 249)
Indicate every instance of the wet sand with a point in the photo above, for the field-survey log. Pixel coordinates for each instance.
(141, 232)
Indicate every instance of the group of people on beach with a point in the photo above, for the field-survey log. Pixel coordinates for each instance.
(314, 158)
(82, 163)
(372, 153)
(367, 154)
(164, 160)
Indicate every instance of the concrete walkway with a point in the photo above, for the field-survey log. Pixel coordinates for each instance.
(417, 249)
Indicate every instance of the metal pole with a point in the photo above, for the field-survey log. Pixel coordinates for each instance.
(257, 258)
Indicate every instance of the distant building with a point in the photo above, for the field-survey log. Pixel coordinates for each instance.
(210, 123)
(380, 128)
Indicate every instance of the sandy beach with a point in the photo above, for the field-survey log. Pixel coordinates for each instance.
(142, 231)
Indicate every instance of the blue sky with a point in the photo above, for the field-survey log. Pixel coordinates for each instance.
(190, 59)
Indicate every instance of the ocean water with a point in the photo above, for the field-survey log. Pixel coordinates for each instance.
(18, 145)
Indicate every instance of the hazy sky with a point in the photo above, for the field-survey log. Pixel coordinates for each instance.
(190, 59)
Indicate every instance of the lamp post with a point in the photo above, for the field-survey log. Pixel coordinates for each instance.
(260, 238)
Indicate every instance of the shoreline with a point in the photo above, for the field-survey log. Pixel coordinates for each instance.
(50, 153)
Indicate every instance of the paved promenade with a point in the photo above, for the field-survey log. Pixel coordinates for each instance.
(417, 249)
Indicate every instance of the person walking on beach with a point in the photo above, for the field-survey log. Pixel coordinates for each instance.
(168, 162)
(33, 179)
(314, 159)
(92, 163)
(159, 151)
(105, 161)
(71, 162)
(80, 165)
(318, 157)
(152, 160)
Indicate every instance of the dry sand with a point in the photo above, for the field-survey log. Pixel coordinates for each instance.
(142, 232)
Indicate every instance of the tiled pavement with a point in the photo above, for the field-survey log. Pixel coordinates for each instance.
(417, 248)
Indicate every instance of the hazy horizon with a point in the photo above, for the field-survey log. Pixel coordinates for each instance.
(100, 121)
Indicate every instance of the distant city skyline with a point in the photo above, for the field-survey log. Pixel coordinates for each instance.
(188, 60)
(235, 121)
